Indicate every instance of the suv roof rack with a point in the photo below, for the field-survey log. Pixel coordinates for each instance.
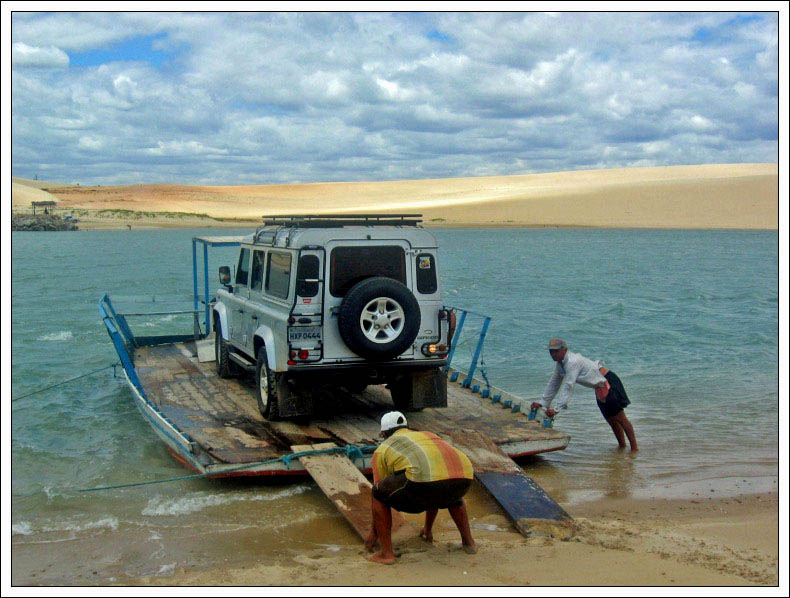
(340, 220)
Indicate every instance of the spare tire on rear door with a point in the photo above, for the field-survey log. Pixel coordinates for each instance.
(379, 318)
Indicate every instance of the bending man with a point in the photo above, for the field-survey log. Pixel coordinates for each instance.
(415, 472)
(571, 368)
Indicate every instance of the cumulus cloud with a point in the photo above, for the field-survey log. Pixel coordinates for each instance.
(23, 55)
(236, 98)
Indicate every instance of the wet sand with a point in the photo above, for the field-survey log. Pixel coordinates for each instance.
(682, 542)
(730, 542)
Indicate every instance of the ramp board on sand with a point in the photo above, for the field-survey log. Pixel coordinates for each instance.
(349, 490)
(526, 503)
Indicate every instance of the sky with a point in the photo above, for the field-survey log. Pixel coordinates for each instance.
(259, 98)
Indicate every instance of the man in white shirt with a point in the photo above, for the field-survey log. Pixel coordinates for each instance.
(612, 399)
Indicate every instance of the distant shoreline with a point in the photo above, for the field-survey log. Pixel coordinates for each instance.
(701, 197)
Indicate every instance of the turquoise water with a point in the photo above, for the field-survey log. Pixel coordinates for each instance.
(687, 319)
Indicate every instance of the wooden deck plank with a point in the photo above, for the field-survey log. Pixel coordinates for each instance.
(222, 415)
(349, 490)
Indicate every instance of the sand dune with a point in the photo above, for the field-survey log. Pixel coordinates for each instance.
(24, 195)
(703, 196)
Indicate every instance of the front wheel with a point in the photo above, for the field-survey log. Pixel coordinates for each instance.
(266, 387)
(225, 367)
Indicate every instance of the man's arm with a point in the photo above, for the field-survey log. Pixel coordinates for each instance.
(377, 465)
(551, 388)
(566, 391)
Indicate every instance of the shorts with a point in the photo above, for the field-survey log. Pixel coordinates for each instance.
(616, 400)
(400, 493)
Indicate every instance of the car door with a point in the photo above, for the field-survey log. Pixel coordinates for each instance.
(241, 294)
(254, 311)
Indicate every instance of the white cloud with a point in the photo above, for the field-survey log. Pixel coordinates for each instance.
(182, 148)
(23, 55)
(270, 97)
(90, 143)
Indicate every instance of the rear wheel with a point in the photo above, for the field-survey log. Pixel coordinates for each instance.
(403, 395)
(266, 387)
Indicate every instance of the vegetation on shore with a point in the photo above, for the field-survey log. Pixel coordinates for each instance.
(39, 222)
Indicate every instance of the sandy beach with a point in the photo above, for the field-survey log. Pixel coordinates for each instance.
(713, 196)
(697, 542)
(703, 541)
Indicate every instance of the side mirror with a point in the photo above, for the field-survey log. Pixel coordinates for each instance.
(224, 275)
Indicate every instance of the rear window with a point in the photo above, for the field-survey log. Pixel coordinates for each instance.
(349, 265)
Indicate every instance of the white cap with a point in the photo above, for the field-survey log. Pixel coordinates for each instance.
(393, 419)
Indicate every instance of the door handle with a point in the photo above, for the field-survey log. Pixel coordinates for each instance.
(254, 317)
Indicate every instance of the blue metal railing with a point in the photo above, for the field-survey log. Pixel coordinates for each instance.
(478, 352)
(121, 343)
(122, 338)
(207, 242)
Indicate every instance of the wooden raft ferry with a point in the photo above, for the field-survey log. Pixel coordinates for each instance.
(212, 425)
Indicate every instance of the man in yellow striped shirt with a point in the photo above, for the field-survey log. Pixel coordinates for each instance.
(415, 472)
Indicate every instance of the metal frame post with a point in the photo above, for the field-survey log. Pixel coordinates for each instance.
(194, 273)
(478, 350)
(205, 280)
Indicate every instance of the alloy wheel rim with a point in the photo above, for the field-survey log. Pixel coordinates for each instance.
(382, 320)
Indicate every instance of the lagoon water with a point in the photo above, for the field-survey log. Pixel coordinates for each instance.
(687, 319)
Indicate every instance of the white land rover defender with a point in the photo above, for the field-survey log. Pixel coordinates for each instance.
(335, 301)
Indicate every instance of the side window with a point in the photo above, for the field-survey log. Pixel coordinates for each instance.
(426, 274)
(278, 274)
(306, 275)
(258, 259)
(243, 270)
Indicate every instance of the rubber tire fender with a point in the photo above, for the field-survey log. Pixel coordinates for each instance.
(351, 309)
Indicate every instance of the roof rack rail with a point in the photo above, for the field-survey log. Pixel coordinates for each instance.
(340, 220)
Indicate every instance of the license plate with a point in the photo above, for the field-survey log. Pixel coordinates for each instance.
(304, 333)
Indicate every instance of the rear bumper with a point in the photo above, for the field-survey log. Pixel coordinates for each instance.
(373, 368)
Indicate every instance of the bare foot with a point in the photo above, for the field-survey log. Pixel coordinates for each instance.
(427, 536)
(382, 559)
(469, 548)
(634, 450)
(371, 543)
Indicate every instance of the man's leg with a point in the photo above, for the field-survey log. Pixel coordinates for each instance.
(426, 533)
(461, 520)
(382, 523)
(625, 424)
(617, 429)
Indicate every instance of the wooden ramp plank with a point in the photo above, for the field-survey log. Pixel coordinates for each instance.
(349, 490)
(529, 506)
